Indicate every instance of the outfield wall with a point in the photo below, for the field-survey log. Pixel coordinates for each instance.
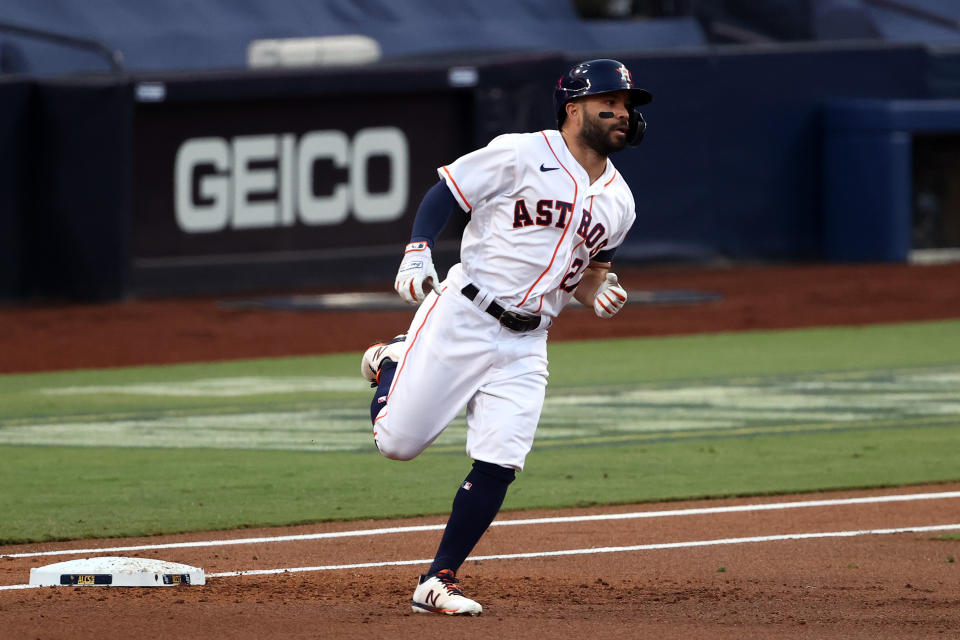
(14, 99)
(216, 182)
(731, 166)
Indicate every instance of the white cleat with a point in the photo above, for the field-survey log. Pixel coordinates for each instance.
(439, 594)
(374, 356)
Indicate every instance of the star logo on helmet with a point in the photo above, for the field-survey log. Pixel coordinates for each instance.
(625, 75)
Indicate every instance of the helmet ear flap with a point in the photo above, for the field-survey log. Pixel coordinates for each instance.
(637, 127)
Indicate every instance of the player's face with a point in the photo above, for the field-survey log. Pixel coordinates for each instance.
(606, 135)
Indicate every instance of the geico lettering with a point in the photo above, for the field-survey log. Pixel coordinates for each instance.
(251, 178)
(260, 181)
(201, 179)
(315, 146)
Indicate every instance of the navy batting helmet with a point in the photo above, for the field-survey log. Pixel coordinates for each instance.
(602, 76)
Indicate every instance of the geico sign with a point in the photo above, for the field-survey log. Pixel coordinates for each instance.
(261, 181)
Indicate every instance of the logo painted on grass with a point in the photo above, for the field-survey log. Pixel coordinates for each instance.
(863, 400)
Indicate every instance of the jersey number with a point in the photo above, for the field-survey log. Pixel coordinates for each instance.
(575, 267)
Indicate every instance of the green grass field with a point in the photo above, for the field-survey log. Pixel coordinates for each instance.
(151, 450)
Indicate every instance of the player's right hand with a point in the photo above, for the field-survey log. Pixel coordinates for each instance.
(416, 274)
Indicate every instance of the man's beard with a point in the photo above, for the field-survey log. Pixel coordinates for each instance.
(597, 135)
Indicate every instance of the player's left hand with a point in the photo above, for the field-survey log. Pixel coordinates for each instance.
(610, 297)
(416, 275)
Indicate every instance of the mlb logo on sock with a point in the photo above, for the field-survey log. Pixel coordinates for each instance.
(467, 485)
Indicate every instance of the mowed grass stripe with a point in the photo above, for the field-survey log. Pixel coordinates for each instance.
(946, 422)
(73, 493)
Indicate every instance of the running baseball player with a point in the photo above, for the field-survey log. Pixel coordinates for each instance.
(546, 212)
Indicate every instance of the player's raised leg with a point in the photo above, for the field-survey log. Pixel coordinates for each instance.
(445, 356)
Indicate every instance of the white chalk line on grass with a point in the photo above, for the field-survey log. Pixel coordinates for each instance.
(589, 551)
(943, 495)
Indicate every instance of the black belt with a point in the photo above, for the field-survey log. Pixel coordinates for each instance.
(512, 320)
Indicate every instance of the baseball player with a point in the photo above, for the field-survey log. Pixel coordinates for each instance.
(546, 213)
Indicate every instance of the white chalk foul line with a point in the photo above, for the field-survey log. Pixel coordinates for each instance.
(590, 551)
(574, 552)
(943, 495)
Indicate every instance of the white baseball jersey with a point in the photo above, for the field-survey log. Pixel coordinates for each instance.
(535, 219)
(535, 222)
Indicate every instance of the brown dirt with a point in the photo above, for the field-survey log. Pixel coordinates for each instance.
(134, 332)
(874, 586)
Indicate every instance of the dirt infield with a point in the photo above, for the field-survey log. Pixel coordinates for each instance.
(875, 586)
(45, 338)
(854, 585)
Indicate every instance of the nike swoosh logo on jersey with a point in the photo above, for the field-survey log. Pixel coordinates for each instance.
(543, 168)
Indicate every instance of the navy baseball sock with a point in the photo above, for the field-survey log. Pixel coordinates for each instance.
(474, 507)
(387, 371)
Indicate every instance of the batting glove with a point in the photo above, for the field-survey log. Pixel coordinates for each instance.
(416, 274)
(610, 297)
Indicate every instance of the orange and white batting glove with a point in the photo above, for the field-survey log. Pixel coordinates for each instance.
(610, 297)
(416, 274)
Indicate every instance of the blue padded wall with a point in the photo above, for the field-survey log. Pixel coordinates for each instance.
(214, 34)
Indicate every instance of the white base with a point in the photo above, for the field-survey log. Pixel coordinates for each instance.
(116, 572)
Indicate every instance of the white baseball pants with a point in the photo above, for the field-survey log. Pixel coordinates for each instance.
(457, 356)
